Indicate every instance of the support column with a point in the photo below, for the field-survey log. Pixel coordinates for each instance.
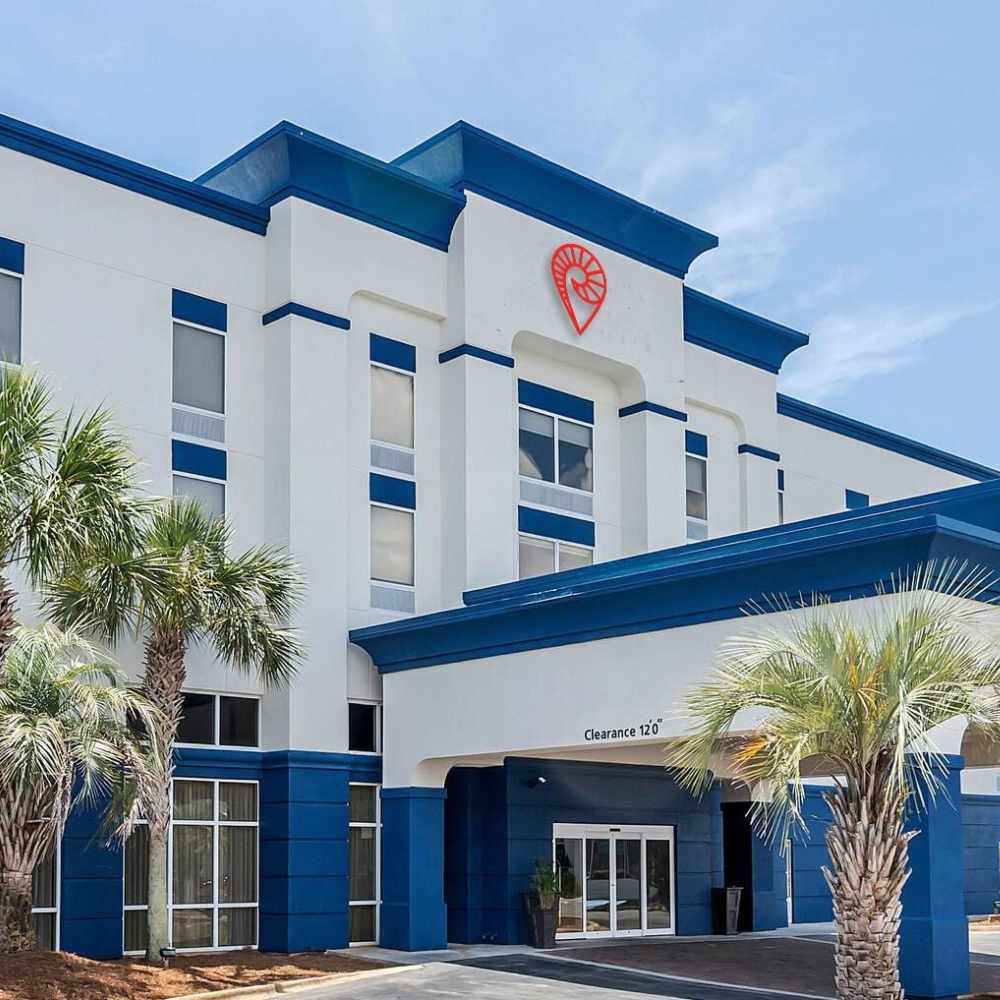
(934, 937)
(759, 478)
(414, 915)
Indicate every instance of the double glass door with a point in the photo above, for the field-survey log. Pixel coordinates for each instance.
(615, 881)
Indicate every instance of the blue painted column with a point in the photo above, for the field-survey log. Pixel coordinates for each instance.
(414, 915)
(934, 939)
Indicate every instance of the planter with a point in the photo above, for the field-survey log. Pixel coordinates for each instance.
(541, 922)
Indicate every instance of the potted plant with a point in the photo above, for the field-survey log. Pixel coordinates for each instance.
(541, 902)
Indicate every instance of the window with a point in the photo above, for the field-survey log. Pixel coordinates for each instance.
(538, 556)
(696, 475)
(392, 545)
(136, 888)
(365, 848)
(45, 901)
(363, 727)
(10, 318)
(199, 368)
(219, 720)
(551, 446)
(781, 496)
(392, 406)
(210, 493)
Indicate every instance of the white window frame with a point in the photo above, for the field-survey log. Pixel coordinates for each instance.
(55, 910)
(557, 543)
(200, 411)
(409, 588)
(688, 518)
(556, 417)
(377, 826)
(20, 332)
(377, 705)
(217, 729)
(391, 444)
(204, 479)
(781, 506)
(137, 907)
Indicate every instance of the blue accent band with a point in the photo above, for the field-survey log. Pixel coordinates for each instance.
(568, 529)
(752, 449)
(197, 309)
(475, 352)
(306, 312)
(197, 459)
(392, 352)
(663, 411)
(388, 489)
(11, 256)
(555, 401)
(781, 479)
(855, 501)
(695, 443)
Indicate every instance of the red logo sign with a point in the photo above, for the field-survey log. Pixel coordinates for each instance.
(587, 285)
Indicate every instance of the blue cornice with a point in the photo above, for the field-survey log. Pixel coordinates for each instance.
(752, 449)
(466, 158)
(646, 406)
(82, 159)
(796, 409)
(738, 334)
(844, 556)
(470, 350)
(306, 312)
(289, 161)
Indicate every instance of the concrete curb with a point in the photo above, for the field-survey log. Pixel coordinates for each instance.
(299, 985)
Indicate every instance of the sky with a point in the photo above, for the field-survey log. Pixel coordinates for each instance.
(847, 155)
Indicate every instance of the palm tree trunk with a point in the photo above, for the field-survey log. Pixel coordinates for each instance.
(161, 684)
(8, 615)
(870, 865)
(16, 929)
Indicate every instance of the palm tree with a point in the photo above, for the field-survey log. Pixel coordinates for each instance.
(859, 692)
(64, 737)
(65, 485)
(175, 586)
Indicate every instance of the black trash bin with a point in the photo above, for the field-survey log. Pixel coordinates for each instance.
(726, 910)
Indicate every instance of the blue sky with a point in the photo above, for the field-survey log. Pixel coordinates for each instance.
(846, 154)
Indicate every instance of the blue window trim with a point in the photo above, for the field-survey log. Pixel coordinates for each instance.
(470, 350)
(11, 255)
(391, 352)
(392, 491)
(781, 479)
(752, 449)
(191, 308)
(566, 529)
(647, 406)
(853, 500)
(696, 444)
(565, 404)
(196, 459)
(306, 312)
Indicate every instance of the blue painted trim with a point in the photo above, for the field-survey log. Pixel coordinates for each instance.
(555, 401)
(198, 460)
(11, 255)
(796, 409)
(568, 529)
(392, 352)
(413, 792)
(306, 312)
(466, 158)
(696, 444)
(752, 449)
(475, 352)
(191, 308)
(856, 501)
(781, 479)
(388, 489)
(738, 334)
(132, 176)
(647, 406)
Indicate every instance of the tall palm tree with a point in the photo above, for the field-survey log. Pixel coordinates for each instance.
(64, 737)
(176, 586)
(66, 484)
(859, 692)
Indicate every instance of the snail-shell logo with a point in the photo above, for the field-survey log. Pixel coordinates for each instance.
(588, 284)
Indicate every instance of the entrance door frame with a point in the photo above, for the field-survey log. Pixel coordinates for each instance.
(611, 833)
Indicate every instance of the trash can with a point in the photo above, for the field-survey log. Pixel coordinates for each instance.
(726, 909)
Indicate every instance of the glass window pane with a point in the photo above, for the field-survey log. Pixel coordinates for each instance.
(598, 852)
(237, 927)
(361, 727)
(192, 929)
(193, 799)
(237, 864)
(44, 925)
(137, 867)
(392, 407)
(697, 531)
(238, 801)
(238, 721)
(576, 455)
(197, 719)
(363, 803)
(574, 556)
(535, 557)
(10, 318)
(211, 496)
(392, 545)
(135, 930)
(628, 884)
(192, 861)
(658, 875)
(43, 881)
(697, 501)
(569, 866)
(199, 368)
(362, 924)
(536, 445)
(363, 862)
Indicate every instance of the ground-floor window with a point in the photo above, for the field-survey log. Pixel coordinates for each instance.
(45, 901)
(365, 850)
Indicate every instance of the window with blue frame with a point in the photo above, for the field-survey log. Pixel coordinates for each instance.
(696, 476)
(10, 318)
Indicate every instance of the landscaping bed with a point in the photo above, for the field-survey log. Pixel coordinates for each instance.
(62, 976)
